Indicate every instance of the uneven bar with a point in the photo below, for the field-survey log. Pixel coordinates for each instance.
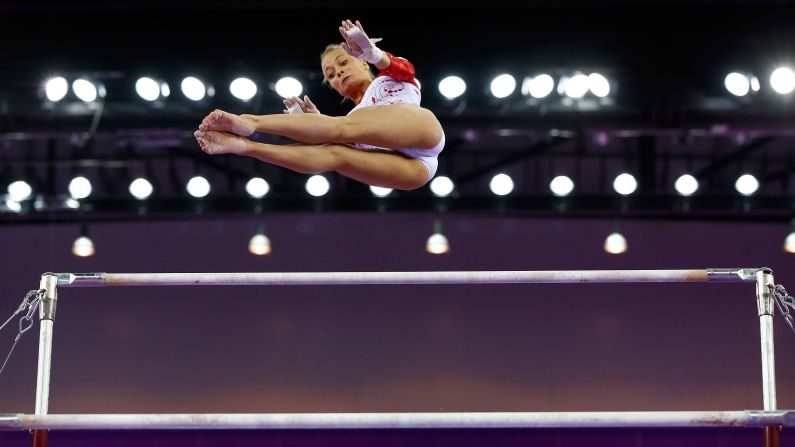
(354, 278)
(397, 420)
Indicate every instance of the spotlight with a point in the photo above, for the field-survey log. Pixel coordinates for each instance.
(437, 242)
(737, 84)
(625, 184)
(442, 186)
(789, 243)
(198, 187)
(83, 245)
(501, 184)
(13, 206)
(615, 243)
(380, 192)
(755, 84)
(79, 188)
(71, 203)
(561, 186)
(686, 185)
(56, 89)
(259, 244)
(86, 90)
(452, 87)
(193, 88)
(317, 185)
(746, 184)
(149, 89)
(243, 89)
(598, 85)
(576, 86)
(19, 191)
(783, 80)
(141, 188)
(288, 87)
(503, 85)
(257, 187)
(538, 87)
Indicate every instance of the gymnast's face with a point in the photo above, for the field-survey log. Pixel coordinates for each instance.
(344, 73)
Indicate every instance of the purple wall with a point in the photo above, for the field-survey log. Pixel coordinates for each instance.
(397, 348)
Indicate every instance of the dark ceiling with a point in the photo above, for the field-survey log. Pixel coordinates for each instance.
(669, 111)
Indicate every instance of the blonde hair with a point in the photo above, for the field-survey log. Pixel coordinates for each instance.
(336, 46)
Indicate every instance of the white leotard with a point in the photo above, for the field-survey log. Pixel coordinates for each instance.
(384, 91)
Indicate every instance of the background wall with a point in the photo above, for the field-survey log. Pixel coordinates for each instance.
(396, 348)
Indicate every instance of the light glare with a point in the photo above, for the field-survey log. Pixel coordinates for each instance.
(503, 85)
(501, 184)
(56, 89)
(243, 88)
(288, 87)
(198, 187)
(317, 186)
(193, 88)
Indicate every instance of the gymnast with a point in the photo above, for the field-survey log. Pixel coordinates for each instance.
(387, 140)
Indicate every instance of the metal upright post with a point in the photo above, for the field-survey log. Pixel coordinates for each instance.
(765, 306)
(49, 282)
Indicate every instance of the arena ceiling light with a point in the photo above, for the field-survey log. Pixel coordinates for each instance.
(501, 184)
(502, 86)
(79, 188)
(789, 241)
(198, 187)
(598, 85)
(737, 84)
(437, 242)
(243, 89)
(83, 246)
(141, 188)
(87, 91)
(561, 186)
(13, 206)
(151, 89)
(686, 185)
(19, 191)
(746, 185)
(539, 86)
(442, 186)
(317, 186)
(576, 86)
(259, 244)
(257, 187)
(193, 88)
(288, 87)
(783, 80)
(379, 191)
(625, 184)
(615, 243)
(56, 88)
(452, 87)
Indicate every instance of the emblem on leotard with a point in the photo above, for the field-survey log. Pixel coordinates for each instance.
(390, 88)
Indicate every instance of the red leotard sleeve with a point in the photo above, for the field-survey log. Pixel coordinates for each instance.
(399, 69)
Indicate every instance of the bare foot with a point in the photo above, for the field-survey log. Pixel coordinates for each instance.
(222, 121)
(215, 143)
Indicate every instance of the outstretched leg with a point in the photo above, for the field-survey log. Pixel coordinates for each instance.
(394, 126)
(377, 168)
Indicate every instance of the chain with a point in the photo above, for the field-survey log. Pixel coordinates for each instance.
(26, 322)
(784, 302)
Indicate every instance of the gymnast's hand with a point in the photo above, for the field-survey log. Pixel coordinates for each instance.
(297, 105)
(357, 44)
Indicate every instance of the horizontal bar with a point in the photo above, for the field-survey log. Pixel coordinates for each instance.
(398, 420)
(331, 278)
